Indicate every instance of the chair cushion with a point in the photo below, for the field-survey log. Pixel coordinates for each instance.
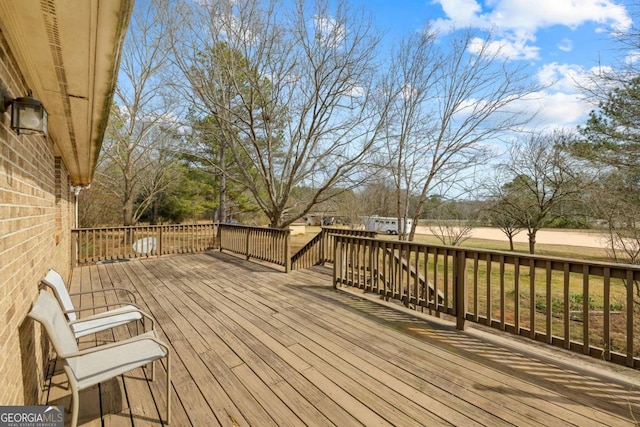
(47, 311)
(93, 368)
(56, 282)
(88, 325)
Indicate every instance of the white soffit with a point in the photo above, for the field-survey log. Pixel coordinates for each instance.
(68, 52)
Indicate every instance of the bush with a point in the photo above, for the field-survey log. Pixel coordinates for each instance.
(574, 223)
(575, 304)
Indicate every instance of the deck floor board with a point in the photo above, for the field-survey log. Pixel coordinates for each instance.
(254, 346)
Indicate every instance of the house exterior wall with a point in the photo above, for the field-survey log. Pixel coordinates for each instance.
(36, 216)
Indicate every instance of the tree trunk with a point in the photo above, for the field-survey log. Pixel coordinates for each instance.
(155, 207)
(222, 211)
(127, 219)
(511, 243)
(532, 241)
(127, 212)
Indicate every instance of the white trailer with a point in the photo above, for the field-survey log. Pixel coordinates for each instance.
(385, 224)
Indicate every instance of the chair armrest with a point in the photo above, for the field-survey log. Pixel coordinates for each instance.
(116, 344)
(105, 290)
(113, 304)
(107, 314)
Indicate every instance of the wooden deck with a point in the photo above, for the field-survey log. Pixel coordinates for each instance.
(255, 346)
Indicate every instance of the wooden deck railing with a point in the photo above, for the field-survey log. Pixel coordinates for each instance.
(116, 243)
(319, 250)
(587, 307)
(266, 244)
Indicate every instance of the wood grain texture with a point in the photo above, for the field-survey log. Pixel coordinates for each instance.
(255, 346)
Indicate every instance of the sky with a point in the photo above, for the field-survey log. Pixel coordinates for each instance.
(558, 40)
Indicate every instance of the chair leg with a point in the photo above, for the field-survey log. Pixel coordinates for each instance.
(75, 405)
(168, 388)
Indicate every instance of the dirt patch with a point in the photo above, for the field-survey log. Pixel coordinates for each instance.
(548, 237)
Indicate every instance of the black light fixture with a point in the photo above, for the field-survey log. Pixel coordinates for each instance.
(28, 115)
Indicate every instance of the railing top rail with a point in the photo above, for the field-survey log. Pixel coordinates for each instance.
(348, 230)
(254, 227)
(493, 253)
(132, 227)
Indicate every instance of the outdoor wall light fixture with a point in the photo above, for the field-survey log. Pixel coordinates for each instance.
(28, 115)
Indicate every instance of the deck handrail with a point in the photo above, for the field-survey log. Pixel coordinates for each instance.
(319, 250)
(262, 243)
(588, 307)
(91, 245)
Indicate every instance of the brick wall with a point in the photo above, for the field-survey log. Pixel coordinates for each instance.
(36, 215)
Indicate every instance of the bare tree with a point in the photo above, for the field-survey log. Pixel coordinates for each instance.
(135, 162)
(499, 217)
(538, 178)
(452, 232)
(451, 226)
(97, 208)
(496, 210)
(377, 197)
(615, 200)
(447, 101)
(289, 89)
(409, 86)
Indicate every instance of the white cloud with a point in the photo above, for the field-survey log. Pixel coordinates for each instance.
(355, 91)
(461, 13)
(561, 109)
(562, 77)
(562, 103)
(632, 58)
(528, 16)
(565, 45)
(408, 92)
(329, 31)
(569, 78)
(518, 21)
(505, 48)
(551, 111)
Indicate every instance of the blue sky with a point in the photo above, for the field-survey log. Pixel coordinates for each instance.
(559, 40)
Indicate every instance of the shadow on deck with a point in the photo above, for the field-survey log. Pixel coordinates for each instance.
(254, 346)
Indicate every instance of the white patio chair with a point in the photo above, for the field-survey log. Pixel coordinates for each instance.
(85, 368)
(125, 313)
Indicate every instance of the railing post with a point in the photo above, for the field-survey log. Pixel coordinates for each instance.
(247, 245)
(75, 235)
(336, 267)
(630, 320)
(287, 251)
(323, 244)
(460, 289)
(159, 244)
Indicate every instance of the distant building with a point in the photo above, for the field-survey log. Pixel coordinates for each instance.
(298, 227)
(319, 219)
